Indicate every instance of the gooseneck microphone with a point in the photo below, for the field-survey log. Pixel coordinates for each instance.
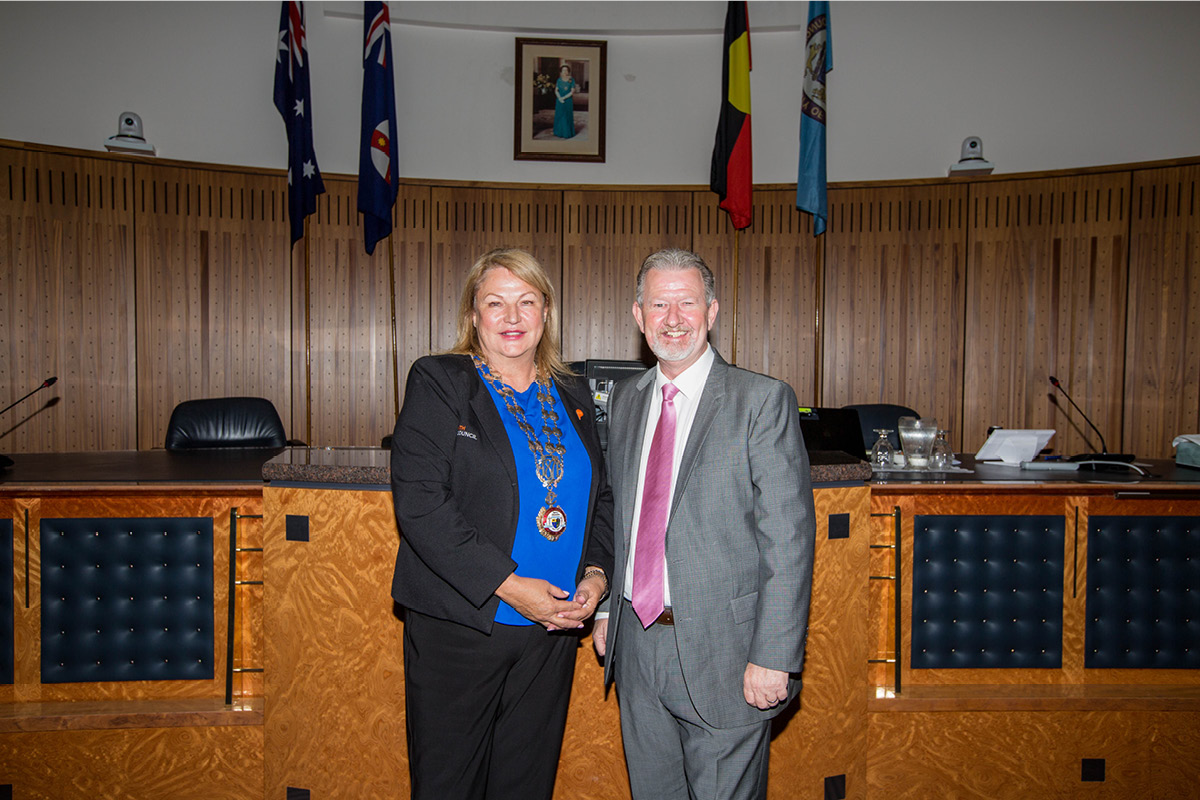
(5, 461)
(1093, 461)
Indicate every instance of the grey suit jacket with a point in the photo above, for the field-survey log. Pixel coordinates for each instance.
(740, 537)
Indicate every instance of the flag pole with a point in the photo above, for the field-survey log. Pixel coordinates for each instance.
(307, 352)
(736, 283)
(818, 326)
(392, 303)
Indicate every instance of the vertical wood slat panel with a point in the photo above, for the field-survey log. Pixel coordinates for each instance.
(1046, 296)
(67, 266)
(468, 222)
(1162, 340)
(606, 237)
(213, 291)
(350, 315)
(894, 295)
(776, 293)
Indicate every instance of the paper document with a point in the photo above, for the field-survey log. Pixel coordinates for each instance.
(1012, 446)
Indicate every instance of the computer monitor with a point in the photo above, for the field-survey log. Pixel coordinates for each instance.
(832, 430)
(601, 374)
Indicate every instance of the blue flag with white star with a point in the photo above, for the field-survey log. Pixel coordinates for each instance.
(378, 174)
(818, 61)
(294, 103)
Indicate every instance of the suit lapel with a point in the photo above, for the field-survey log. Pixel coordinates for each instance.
(711, 400)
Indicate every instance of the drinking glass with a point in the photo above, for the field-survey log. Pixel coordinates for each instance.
(916, 439)
(941, 456)
(881, 451)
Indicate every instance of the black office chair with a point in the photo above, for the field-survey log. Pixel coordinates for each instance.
(880, 415)
(226, 422)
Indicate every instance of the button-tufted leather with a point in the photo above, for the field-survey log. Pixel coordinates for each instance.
(1143, 593)
(987, 591)
(127, 599)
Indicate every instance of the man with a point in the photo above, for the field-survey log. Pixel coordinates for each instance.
(714, 550)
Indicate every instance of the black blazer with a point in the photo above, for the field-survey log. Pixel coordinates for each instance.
(454, 483)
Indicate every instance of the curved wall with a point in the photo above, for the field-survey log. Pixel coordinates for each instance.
(1046, 85)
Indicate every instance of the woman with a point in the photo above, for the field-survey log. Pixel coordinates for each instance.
(564, 106)
(502, 507)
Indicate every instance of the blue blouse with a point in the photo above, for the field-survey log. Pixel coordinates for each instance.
(536, 556)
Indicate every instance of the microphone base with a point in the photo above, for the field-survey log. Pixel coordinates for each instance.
(1124, 458)
(1103, 462)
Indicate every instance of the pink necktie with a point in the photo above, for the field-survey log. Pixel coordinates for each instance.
(652, 521)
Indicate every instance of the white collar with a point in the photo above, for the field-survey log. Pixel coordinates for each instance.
(691, 381)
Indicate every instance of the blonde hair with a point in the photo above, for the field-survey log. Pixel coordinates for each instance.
(548, 356)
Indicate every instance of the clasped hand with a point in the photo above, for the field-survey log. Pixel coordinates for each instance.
(549, 606)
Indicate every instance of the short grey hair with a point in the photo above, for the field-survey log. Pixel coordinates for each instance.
(674, 260)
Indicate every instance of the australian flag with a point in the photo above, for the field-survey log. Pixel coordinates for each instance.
(293, 100)
(378, 174)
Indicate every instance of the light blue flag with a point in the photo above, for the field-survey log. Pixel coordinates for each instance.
(818, 62)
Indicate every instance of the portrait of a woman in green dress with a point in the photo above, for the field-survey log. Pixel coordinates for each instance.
(564, 106)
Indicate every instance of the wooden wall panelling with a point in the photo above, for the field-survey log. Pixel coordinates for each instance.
(894, 293)
(606, 237)
(67, 283)
(777, 296)
(412, 225)
(1046, 295)
(1162, 339)
(467, 222)
(213, 316)
(353, 402)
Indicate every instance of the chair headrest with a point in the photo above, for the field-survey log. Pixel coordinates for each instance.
(225, 422)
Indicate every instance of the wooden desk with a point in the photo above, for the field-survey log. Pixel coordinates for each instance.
(1003, 731)
(137, 738)
(334, 717)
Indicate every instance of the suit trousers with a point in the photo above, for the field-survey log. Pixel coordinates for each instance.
(671, 753)
(485, 712)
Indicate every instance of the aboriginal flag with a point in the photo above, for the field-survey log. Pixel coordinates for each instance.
(378, 174)
(731, 163)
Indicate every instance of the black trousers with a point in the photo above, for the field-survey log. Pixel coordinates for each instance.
(485, 713)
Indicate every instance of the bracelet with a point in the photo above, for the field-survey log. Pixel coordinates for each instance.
(591, 571)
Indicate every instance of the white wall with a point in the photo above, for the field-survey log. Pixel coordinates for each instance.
(1046, 85)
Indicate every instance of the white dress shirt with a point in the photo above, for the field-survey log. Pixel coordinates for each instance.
(690, 384)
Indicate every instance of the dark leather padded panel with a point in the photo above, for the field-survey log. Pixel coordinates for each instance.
(225, 422)
(1143, 593)
(987, 591)
(6, 601)
(127, 599)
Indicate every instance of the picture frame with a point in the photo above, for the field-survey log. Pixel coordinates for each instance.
(546, 126)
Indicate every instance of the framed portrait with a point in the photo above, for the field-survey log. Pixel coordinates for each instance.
(560, 106)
